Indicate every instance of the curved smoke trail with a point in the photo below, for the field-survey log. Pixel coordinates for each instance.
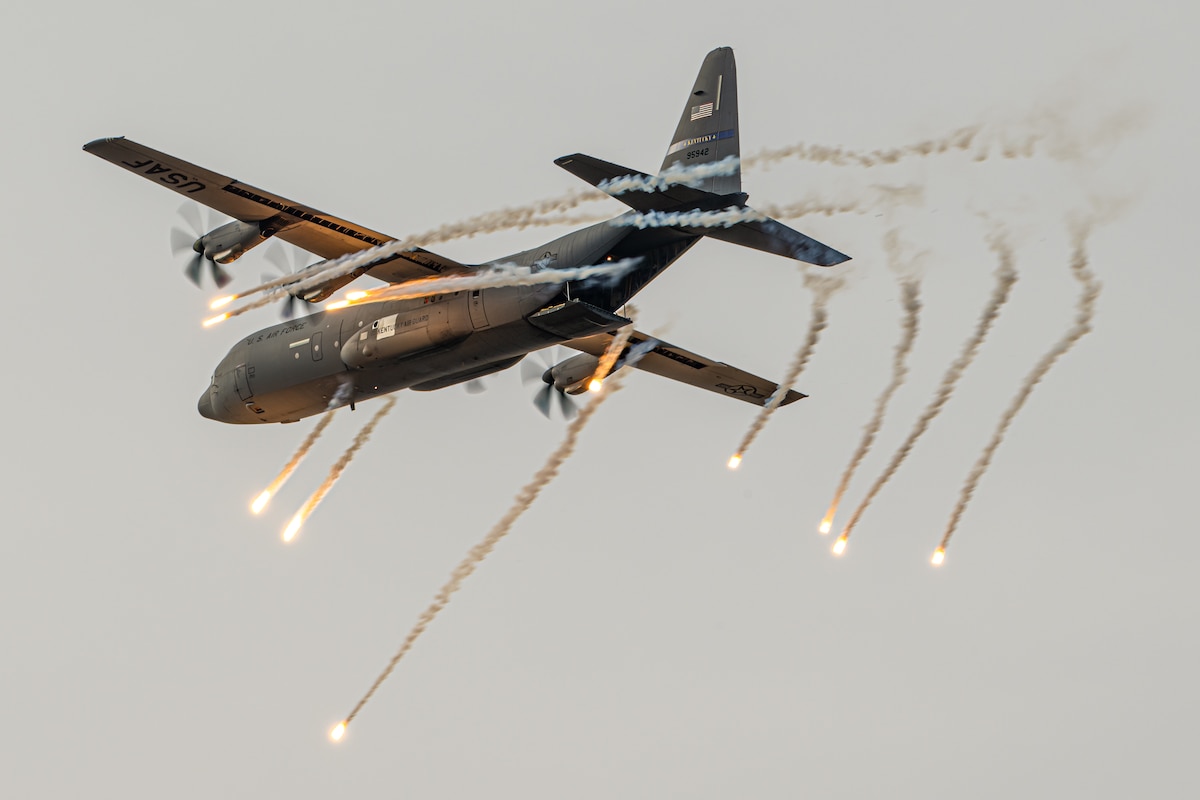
(823, 287)
(480, 551)
(1085, 312)
(1006, 276)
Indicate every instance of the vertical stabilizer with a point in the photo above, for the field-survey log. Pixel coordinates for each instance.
(707, 130)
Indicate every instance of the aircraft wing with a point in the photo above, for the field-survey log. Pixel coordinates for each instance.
(315, 231)
(673, 362)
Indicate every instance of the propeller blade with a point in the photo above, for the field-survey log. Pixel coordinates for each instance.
(275, 255)
(193, 269)
(191, 214)
(542, 399)
(530, 371)
(278, 258)
(299, 259)
(220, 276)
(181, 241)
(567, 406)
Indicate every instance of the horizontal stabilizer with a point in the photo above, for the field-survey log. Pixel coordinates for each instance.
(596, 171)
(771, 236)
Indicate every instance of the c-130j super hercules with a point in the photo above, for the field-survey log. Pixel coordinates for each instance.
(331, 358)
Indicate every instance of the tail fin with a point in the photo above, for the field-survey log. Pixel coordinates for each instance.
(708, 128)
(707, 133)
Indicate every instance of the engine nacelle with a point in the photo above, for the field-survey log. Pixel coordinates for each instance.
(231, 241)
(573, 375)
(404, 334)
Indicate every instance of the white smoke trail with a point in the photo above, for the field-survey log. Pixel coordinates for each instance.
(336, 470)
(1085, 312)
(822, 287)
(677, 173)
(479, 552)
(494, 276)
(725, 218)
(1006, 276)
(344, 392)
(513, 218)
(261, 501)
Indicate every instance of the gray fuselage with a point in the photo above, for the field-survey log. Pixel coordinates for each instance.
(334, 358)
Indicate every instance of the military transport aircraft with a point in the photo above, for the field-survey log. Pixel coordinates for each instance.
(332, 358)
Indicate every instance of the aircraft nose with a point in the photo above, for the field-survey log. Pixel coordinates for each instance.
(205, 405)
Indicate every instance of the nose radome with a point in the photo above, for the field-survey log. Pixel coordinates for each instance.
(205, 405)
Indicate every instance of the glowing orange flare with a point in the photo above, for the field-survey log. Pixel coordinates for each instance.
(261, 501)
(337, 305)
(352, 296)
(939, 556)
(735, 461)
(290, 531)
(220, 302)
(839, 546)
(826, 524)
(595, 385)
(214, 320)
(338, 732)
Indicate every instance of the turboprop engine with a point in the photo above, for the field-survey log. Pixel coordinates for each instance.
(573, 375)
(231, 241)
(406, 333)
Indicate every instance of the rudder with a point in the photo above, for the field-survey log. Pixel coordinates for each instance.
(707, 130)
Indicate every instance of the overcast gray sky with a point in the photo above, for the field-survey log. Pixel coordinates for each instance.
(655, 625)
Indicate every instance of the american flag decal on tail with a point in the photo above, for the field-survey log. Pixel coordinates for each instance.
(702, 111)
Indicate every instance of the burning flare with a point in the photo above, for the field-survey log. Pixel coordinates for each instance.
(735, 461)
(939, 556)
(261, 501)
(293, 527)
(826, 524)
(221, 302)
(338, 731)
(208, 323)
(839, 546)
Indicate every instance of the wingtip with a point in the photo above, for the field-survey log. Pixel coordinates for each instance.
(792, 396)
(92, 145)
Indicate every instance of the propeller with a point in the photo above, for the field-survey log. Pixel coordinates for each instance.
(543, 398)
(279, 260)
(182, 241)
